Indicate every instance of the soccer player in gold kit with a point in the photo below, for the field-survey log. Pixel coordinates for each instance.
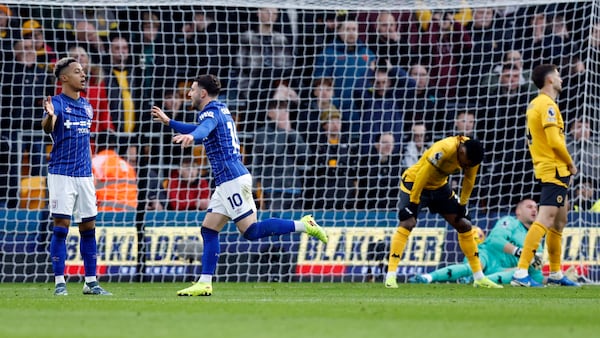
(425, 184)
(553, 168)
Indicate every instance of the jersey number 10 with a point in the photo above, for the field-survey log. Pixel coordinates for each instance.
(234, 139)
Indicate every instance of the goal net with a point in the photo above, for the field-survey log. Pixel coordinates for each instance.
(332, 101)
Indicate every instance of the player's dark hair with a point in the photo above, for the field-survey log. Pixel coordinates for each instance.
(326, 81)
(474, 151)
(522, 201)
(465, 111)
(62, 64)
(210, 83)
(277, 104)
(539, 73)
(343, 16)
(509, 66)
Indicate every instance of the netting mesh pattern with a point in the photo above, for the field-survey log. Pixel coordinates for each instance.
(311, 4)
(332, 101)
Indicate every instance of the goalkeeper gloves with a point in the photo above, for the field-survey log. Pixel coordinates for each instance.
(536, 261)
(517, 252)
(409, 211)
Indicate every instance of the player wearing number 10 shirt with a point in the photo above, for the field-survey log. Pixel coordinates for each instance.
(232, 198)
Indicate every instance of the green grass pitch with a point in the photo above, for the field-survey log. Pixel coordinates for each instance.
(300, 310)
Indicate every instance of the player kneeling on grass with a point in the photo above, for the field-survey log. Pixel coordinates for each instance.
(232, 199)
(499, 253)
(425, 184)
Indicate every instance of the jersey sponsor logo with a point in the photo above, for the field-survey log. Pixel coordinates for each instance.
(89, 111)
(225, 111)
(83, 124)
(206, 114)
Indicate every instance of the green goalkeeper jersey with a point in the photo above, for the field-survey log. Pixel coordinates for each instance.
(507, 229)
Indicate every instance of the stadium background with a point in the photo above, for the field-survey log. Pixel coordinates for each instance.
(164, 245)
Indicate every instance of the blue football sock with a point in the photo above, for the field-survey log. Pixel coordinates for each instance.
(269, 227)
(88, 250)
(58, 249)
(210, 253)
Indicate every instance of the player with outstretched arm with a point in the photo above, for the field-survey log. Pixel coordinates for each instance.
(232, 198)
(68, 118)
(425, 184)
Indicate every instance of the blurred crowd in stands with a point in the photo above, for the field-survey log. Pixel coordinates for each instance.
(331, 106)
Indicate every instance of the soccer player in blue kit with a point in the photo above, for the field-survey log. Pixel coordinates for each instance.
(232, 198)
(67, 119)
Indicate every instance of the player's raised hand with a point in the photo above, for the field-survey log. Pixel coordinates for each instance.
(48, 106)
(159, 115)
(186, 140)
(50, 118)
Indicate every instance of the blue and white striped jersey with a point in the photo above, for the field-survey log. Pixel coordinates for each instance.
(222, 144)
(70, 155)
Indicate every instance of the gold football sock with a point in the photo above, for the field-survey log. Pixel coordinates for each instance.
(554, 244)
(469, 248)
(399, 240)
(532, 241)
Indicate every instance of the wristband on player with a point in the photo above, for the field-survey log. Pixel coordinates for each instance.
(517, 252)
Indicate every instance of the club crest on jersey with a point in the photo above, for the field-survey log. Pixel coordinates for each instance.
(89, 112)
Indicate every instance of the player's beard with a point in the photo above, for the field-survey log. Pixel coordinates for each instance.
(196, 103)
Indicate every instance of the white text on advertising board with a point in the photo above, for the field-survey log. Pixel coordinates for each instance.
(349, 246)
(119, 245)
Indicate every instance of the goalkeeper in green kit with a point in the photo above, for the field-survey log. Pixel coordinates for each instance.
(499, 253)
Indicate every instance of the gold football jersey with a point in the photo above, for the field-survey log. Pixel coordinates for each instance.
(435, 165)
(543, 113)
